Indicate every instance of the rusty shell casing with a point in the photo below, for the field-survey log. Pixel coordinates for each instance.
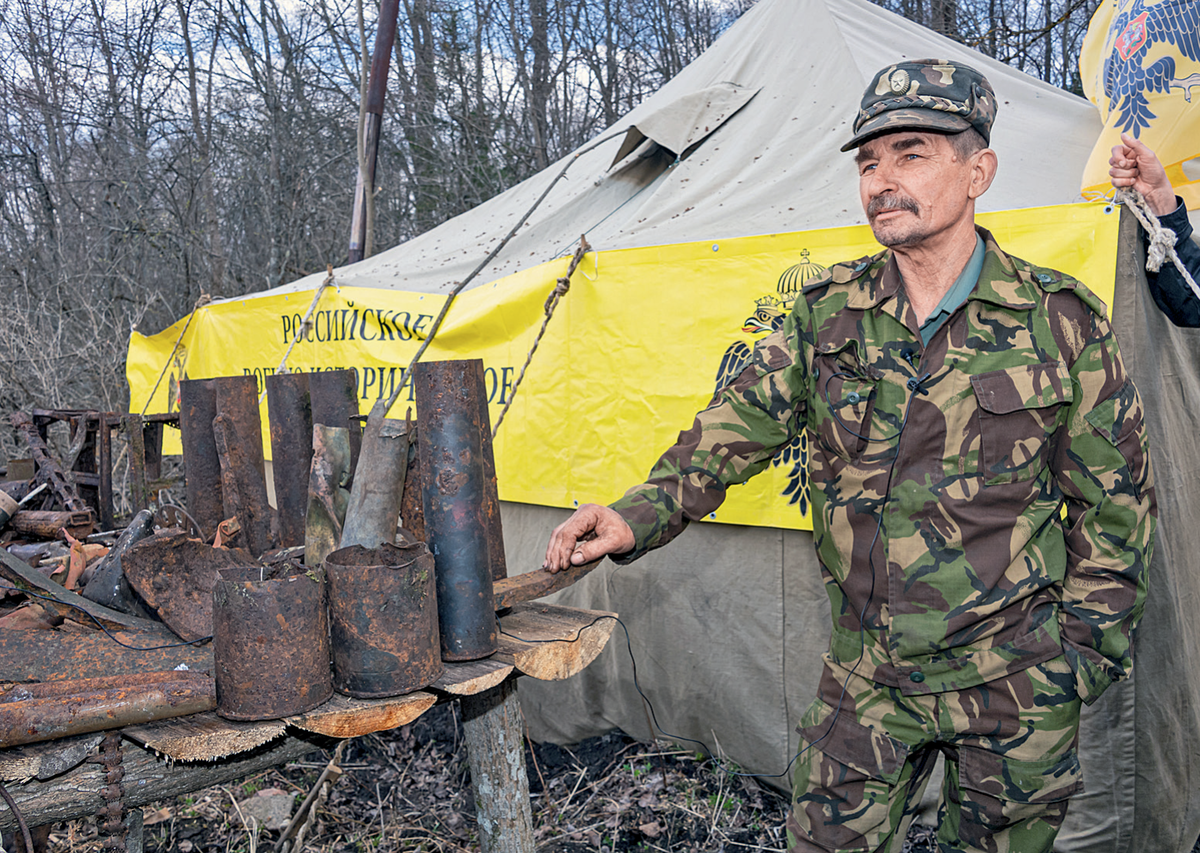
(450, 447)
(491, 495)
(290, 415)
(334, 398)
(383, 623)
(237, 432)
(202, 466)
(270, 643)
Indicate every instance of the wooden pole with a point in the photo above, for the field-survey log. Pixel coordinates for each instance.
(389, 11)
(493, 727)
(134, 428)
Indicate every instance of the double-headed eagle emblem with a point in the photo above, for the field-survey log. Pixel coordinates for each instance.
(1141, 29)
(769, 313)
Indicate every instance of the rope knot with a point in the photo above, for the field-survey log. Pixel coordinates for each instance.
(1162, 240)
(560, 290)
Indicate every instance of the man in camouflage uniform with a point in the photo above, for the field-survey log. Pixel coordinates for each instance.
(983, 505)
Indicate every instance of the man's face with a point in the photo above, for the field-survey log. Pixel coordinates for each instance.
(914, 187)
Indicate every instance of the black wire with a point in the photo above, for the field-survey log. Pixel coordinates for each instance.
(100, 624)
(575, 639)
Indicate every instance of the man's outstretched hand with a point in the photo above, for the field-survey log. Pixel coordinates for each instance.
(591, 533)
(1133, 164)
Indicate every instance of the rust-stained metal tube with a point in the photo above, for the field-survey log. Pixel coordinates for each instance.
(374, 508)
(491, 497)
(49, 524)
(202, 467)
(383, 620)
(450, 447)
(296, 401)
(291, 451)
(270, 642)
(334, 396)
(237, 432)
(30, 713)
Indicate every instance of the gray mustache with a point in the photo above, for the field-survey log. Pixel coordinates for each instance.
(890, 201)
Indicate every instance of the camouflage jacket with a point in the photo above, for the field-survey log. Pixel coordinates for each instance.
(980, 505)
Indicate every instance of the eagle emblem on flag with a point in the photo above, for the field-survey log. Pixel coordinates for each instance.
(770, 311)
(1154, 34)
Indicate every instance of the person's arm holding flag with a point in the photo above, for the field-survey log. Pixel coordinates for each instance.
(1134, 165)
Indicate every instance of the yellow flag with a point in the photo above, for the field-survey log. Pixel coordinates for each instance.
(1140, 65)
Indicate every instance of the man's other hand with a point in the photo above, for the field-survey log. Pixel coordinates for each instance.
(1134, 165)
(591, 533)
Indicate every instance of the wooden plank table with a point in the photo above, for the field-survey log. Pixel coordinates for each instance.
(56, 781)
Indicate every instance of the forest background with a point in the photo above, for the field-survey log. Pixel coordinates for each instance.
(153, 152)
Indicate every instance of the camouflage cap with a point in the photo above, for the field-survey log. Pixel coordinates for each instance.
(925, 94)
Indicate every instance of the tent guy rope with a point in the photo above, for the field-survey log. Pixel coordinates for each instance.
(306, 323)
(560, 290)
(1162, 240)
(383, 406)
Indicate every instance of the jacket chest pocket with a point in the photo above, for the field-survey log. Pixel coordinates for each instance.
(844, 401)
(1019, 410)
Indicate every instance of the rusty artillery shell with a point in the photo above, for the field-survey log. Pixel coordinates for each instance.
(202, 467)
(491, 495)
(452, 481)
(383, 621)
(296, 401)
(290, 414)
(270, 642)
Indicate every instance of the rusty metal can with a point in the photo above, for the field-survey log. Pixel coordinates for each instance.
(383, 619)
(452, 482)
(270, 641)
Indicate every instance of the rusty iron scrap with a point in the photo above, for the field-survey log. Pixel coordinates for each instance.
(448, 412)
(31, 713)
(107, 584)
(270, 642)
(175, 576)
(49, 471)
(383, 619)
(49, 524)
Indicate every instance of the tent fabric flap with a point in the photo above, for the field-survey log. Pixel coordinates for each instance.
(683, 124)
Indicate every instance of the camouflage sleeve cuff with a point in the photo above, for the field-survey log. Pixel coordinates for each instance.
(653, 516)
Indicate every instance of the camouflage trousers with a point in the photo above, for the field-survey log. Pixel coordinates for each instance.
(1010, 755)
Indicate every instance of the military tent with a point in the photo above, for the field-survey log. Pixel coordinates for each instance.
(705, 207)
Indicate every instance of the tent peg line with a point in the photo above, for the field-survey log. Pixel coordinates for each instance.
(560, 290)
(1162, 240)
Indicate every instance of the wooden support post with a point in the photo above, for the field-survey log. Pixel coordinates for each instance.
(494, 732)
(134, 429)
(104, 439)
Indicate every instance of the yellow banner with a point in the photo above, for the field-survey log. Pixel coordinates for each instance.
(633, 351)
(1140, 63)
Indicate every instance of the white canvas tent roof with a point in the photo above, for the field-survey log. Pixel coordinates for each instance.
(728, 623)
(773, 165)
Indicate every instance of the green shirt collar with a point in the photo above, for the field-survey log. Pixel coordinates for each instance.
(956, 295)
